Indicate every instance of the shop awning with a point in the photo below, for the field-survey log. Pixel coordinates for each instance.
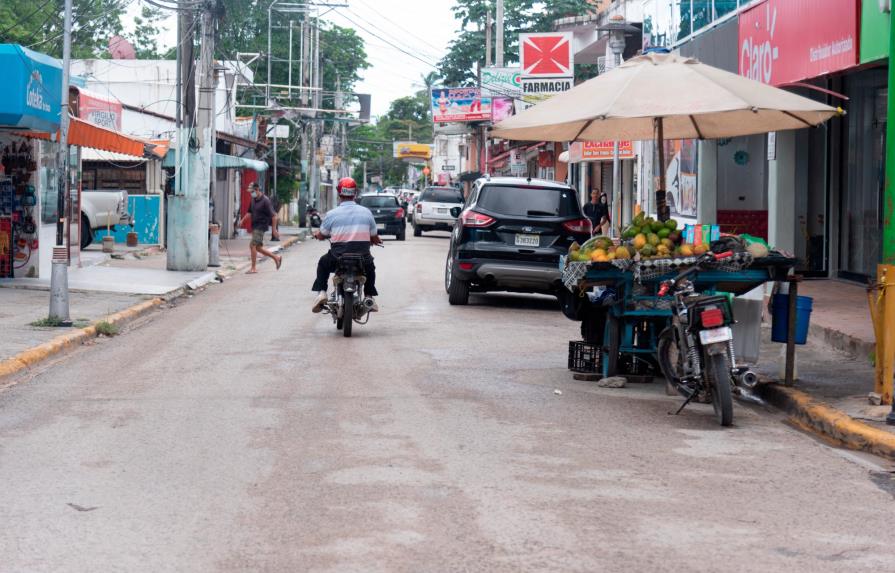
(84, 134)
(222, 161)
(32, 89)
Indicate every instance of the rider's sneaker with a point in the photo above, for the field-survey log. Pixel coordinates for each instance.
(319, 303)
(372, 307)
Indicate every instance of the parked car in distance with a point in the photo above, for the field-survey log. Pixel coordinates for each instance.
(101, 209)
(388, 213)
(509, 237)
(432, 211)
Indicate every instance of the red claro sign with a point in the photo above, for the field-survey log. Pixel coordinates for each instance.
(783, 41)
(546, 54)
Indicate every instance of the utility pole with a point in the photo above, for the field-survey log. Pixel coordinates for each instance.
(188, 215)
(498, 43)
(59, 274)
(488, 28)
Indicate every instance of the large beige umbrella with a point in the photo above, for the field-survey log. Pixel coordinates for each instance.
(667, 97)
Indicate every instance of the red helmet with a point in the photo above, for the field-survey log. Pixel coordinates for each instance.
(346, 187)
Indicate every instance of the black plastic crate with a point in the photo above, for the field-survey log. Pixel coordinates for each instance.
(584, 357)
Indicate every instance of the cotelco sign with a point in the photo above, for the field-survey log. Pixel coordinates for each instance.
(783, 41)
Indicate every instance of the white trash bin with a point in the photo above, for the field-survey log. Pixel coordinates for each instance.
(747, 309)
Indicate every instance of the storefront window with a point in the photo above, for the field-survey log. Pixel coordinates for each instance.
(724, 7)
(702, 13)
(683, 10)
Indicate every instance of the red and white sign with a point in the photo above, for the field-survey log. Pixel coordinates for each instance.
(599, 150)
(99, 110)
(784, 41)
(546, 54)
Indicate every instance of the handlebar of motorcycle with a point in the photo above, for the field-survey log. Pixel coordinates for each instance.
(666, 286)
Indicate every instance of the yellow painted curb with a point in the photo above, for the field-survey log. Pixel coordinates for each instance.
(63, 342)
(832, 423)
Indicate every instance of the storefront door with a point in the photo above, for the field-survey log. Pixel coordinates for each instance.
(861, 227)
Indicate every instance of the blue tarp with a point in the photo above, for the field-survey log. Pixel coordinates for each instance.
(31, 91)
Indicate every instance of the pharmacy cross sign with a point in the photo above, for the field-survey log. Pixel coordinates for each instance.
(546, 54)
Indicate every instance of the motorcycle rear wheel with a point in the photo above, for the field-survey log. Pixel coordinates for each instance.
(348, 314)
(717, 373)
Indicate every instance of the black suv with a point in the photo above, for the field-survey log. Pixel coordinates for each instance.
(509, 236)
(388, 213)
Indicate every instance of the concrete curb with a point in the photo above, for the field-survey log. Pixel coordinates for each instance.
(64, 342)
(831, 423)
(33, 356)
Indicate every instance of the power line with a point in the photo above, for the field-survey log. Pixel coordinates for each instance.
(21, 21)
(380, 38)
(387, 19)
(406, 45)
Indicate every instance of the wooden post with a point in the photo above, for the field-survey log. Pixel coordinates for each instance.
(791, 329)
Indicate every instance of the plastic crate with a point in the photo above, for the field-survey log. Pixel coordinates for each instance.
(584, 357)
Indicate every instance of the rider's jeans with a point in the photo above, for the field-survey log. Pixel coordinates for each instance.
(328, 264)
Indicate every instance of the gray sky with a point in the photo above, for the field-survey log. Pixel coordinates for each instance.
(422, 28)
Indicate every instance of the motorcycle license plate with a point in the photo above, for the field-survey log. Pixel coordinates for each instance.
(380, 227)
(528, 240)
(713, 335)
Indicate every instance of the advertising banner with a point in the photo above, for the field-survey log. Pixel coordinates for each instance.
(459, 105)
(536, 90)
(783, 41)
(502, 82)
(502, 108)
(599, 150)
(412, 150)
(546, 54)
(99, 110)
(680, 177)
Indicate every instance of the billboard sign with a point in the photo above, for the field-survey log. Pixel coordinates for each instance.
(459, 105)
(784, 41)
(502, 82)
(536, 90)
(99, 110)
(546, 54)
(411, 150)
(599, 150)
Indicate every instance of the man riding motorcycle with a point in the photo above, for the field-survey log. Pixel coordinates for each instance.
(350, 228)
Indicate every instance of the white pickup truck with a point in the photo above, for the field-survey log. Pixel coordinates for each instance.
(102, 208)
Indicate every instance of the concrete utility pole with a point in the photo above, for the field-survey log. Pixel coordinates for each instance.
(188, 213)
(488, 27)
(59, 274)
(498, 43)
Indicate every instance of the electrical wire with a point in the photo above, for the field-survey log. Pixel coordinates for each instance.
(21, 21)
(393, 23)
(368, 22)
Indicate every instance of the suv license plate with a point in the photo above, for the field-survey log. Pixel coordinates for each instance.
(722, 334)
(380, 227)
(528, 240)
(440, 210)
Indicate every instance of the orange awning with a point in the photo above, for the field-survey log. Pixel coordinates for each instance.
(86, 134)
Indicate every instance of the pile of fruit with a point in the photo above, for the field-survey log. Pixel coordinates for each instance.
(644, 239)
(659, 240)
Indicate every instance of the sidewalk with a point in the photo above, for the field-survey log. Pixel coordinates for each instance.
(841, 316)
(106, 285)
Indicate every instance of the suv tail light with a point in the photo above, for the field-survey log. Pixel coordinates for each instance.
(578, 226)
(712, 317)
(473, 219)
(399, 214)
(419, 207)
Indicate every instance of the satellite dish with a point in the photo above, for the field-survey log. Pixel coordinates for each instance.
(121, 49)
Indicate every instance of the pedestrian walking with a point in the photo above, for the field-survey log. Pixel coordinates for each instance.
(262, 216)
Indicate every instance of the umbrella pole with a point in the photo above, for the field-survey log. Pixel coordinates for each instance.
(661, 205)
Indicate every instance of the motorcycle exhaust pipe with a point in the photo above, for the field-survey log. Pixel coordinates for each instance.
(748, 379)
(368, 303)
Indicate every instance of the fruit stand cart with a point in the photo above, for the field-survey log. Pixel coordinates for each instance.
(622, 314)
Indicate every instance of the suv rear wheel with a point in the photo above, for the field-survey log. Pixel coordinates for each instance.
(457, 290)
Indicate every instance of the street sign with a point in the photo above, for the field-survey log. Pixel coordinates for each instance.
(546, 54)
(518, 164)
(448, 167)
(536, 90)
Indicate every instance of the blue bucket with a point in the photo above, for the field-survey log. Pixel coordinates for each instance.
(780, 318)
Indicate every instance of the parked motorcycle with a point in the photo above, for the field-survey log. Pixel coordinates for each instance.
(313, 216)
(695, 353)
(346, 303)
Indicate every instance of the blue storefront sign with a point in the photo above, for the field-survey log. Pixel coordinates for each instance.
(32, 89)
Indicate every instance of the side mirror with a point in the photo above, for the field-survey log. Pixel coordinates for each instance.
(455, 211)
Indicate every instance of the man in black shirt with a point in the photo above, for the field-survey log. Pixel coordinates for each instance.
(261, 214)
(598, 212)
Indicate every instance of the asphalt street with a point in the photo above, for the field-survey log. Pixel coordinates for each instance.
(239, 432)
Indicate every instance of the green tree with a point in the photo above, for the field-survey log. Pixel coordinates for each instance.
(145, 34)
(39, 24)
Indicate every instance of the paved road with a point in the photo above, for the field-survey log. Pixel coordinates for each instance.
(240, 432)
